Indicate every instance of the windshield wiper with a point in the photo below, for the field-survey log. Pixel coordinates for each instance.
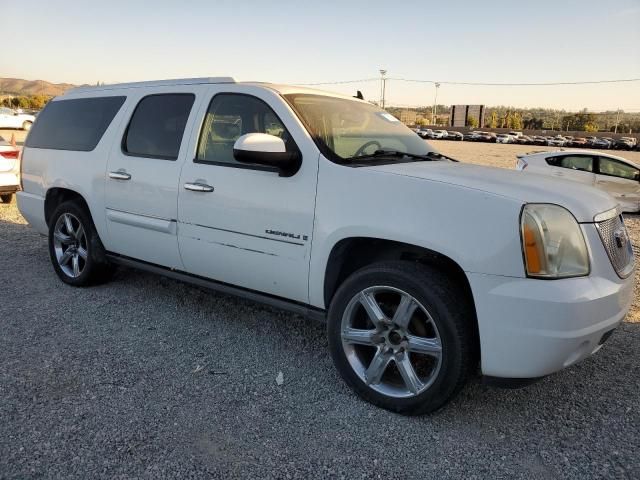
(429, 156)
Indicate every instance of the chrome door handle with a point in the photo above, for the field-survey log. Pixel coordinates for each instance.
(198, 187)
(120, 175)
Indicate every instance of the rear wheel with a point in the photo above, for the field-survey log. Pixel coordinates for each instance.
(401, 336)
(26, 126)
(76, 252)
(6, 198)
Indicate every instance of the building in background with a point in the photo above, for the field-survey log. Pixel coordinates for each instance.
(467, 116)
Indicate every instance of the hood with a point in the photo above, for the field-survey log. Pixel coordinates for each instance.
(581, 200)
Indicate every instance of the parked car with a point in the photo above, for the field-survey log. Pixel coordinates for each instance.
(439, 134)
(600, 143)
(10, 118)
(9, 170)
(489, 137)
(226, 185)
(617, 176)
(524, 140)
(579, 142)
(557, 141)
(472, 136)
(516, 134)
(505, 138)
(455, 136)
(624, 143)
(425, 132)
(539, 140)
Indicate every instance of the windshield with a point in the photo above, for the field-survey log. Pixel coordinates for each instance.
(344, 128)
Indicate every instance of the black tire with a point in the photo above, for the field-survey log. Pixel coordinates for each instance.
(95, 269)
(453, 316)
(6, 198)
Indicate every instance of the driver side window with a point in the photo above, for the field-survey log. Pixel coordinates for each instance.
(231, 115)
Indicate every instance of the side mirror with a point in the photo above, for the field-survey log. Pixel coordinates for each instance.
(268, 150)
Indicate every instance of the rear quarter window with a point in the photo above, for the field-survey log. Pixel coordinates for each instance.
(75, 124)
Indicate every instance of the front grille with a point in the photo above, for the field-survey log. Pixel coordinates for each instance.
(617, 244)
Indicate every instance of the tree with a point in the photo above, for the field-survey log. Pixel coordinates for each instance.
(493, 123)
(472, 122)
(38, 101)
(516, 121)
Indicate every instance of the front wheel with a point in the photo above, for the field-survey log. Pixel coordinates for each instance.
(76, 252)
(6, 198)
(401, 336)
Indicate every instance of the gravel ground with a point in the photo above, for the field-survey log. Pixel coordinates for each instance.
(146, 377)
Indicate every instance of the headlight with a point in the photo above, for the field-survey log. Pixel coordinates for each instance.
(552, 242)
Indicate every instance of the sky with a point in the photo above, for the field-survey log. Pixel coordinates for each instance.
(299, 42)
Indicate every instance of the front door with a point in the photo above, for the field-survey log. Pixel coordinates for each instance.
(141, 193)
(246, 225)
(620, 180)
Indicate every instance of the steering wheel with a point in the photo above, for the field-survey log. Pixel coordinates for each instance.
(367, 145)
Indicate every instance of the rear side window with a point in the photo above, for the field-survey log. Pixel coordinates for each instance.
(76, 124)
(573, 162)
(157, 126)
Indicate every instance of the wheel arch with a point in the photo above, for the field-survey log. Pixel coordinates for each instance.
(57, 195)
(350, 254)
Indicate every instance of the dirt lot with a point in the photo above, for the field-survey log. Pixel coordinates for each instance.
(149, 378)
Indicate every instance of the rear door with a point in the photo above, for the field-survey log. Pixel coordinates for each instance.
(249, 227)
(141, 192)
(621, 180)
(575, 167)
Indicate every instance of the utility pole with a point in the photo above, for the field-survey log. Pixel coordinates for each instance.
(617, 120)
(435, 105)
(383, 86)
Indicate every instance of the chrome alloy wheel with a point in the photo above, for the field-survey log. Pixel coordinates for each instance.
(70, 245)
(391, 341)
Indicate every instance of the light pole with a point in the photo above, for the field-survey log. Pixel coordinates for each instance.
(383, 85)
(435, 105)
(617, 120)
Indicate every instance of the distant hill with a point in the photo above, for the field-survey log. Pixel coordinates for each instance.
(17, 86)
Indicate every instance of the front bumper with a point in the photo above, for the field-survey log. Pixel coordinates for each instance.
(531, 328)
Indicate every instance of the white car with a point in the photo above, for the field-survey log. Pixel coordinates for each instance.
(425, 132)
(505, 138)
(557, 141)
(439, 134)
(10, 118)
(9, 170)
(617, 176)
(330, 207)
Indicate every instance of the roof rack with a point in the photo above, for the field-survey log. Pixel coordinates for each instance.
(153, 83)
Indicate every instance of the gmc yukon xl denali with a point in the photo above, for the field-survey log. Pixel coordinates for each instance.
(424, 268)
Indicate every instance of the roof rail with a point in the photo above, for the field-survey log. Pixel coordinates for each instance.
(152, 83)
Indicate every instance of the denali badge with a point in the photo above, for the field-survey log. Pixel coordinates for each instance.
(622, 237)
(295, 236)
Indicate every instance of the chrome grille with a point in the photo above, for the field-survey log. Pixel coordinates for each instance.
(617, 244)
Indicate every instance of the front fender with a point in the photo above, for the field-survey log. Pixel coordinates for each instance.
(477, 230)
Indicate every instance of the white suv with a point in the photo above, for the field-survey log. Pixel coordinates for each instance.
(326, 205)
